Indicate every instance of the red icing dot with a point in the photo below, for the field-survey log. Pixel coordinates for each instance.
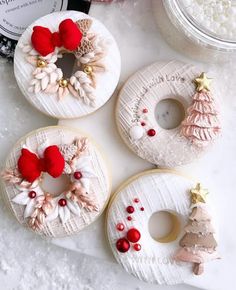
(151, 132)
(32, 194)
(120, 227)
(142, 208)
(143, 123)
(122, 245)
(137, 247)
(130, 209)
(136, 200)
(129, 218)
(77, 175)
(145, 110)
(62, 202)
(133, 235)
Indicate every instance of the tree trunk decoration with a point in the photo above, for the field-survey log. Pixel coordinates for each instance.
(202, 124)
(198, 245)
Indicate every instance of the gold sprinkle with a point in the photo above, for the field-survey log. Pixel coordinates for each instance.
(203, 83)
(63, 83)
(198, 194)
(88, 69)
(41, 63)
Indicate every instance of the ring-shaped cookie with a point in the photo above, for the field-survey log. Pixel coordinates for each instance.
(165, 260)
(56, 181)
(137, 120)
(96, 64)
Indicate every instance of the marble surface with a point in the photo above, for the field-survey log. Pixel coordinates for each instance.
(42, 265)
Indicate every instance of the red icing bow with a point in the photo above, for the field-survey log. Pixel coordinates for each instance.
(30, 166)
(44, 41)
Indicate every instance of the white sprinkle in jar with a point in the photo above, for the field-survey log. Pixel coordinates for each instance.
(202, 29)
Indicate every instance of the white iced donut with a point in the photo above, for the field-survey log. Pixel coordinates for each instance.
(56, 181)
(60, 89)
(137, 113)
(128, 226)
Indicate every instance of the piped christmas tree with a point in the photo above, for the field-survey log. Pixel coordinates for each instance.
(202, 124)
(198, 245)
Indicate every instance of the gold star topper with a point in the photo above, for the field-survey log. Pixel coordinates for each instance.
(202, 82)
(198, 194)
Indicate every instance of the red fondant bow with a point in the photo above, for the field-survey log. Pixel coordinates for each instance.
(44, 41)
(30, 166)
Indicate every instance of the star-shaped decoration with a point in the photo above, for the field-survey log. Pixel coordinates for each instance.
(202, 82)
(198, 194)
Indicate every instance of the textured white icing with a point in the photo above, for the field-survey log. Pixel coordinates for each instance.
(99, 186)
(156, 191)
(167, 148)
(69, 107)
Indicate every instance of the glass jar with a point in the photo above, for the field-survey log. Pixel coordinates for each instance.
(193, 28)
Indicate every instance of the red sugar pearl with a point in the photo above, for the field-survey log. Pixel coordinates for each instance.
(136, 200)
(32, 194)
(142, 208)
(129, 218)
(133, 235)
(122, 245)
(151, 132)
(137, 247)
(120, 227)
(145, 110)
(130, 209)
(143, 124)
(77, 175)
(62, 202)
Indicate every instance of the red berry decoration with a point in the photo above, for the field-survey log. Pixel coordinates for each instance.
(130, 209)
(136, 200)
(151, 132)
(120, 227)
(133, 235)
(145, 111)
(129, 218)
(32, 194)
(78, 175)
(137, 247)
(142, 208)
(122, 245)
(62, 202)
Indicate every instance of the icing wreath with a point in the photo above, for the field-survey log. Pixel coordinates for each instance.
(41, 207)
(47, 47)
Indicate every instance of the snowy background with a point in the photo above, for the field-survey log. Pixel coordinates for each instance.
(26, 260)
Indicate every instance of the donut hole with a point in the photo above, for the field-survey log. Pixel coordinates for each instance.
(67, 63)
(164, 226)
(55, 186)
(169, 113)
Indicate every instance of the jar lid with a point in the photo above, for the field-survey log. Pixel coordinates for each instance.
(211, 22)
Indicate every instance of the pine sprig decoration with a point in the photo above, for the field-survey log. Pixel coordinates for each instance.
(42, 208)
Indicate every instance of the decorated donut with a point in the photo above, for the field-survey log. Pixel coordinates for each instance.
(138, 118)
(56, 181)
(183, 251)
(50, 87)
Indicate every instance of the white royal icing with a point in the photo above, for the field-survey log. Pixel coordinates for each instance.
(68, 106)
(156, 191)
(75, 216)
(143, 91)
